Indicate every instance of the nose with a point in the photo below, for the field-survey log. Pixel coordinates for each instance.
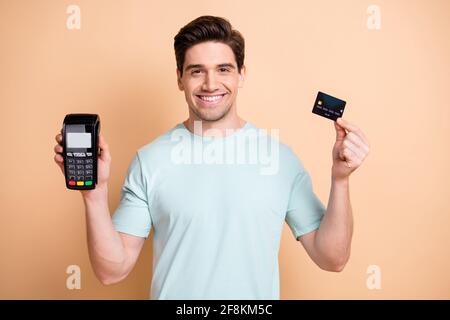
(210, 83)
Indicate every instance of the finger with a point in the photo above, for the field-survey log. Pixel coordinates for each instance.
(352, 128)
(346, 155)
(347, 125)
(356, 151)
(104, 148)
(58, 158)
(350, 158)
(361, 135)
(357, 140)
(58, 138)
(340, 132)
(59, 161)
(58, 148)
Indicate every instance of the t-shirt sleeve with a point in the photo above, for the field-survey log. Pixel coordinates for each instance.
(305, 210)
(133, 213)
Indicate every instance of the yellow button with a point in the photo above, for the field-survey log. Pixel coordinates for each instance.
(80, 183)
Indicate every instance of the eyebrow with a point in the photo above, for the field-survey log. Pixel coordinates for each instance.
(222, 65)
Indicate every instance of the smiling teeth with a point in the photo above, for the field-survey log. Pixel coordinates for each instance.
(214, 98)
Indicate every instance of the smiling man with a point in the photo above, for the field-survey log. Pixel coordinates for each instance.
(217, 222)
(210, 89)
(210, 72)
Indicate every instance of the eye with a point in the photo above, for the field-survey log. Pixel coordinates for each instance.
(195, 71)
(224, 69)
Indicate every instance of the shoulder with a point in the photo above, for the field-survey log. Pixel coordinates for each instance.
(160, 145)
(156, 153)
(288, 159)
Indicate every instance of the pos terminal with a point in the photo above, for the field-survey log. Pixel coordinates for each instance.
(80, 150)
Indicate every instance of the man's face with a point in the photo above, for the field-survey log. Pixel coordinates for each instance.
(210, 80)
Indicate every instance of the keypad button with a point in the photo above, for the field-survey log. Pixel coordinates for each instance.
(80, 167)
(89, 172)
(80, 172)
(89, 166)
(79, 154)
(80, 183)
(70, 161)
(79, 161)
(71, 166)
(71, 177)
(72, 172)
(69, 154)
(89, 154)
(71, 183)
(80, 178)
(88, 183)
(88, 160)
(88, 177)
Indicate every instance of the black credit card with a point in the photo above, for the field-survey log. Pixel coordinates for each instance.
(328, 106)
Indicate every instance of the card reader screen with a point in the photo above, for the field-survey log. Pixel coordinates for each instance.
(78, 140)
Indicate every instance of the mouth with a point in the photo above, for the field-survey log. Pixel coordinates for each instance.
(210, 100)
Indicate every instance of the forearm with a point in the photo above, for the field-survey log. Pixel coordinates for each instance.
(106, 250)
(333, 238)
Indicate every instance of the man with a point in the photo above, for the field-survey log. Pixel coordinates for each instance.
(217, 224)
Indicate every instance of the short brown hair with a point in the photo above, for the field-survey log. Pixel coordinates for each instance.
(208, 28)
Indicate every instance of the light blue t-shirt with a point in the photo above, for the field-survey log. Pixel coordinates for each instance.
(216, 213)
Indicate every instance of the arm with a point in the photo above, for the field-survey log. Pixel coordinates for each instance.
(112, 254)
(329, 245)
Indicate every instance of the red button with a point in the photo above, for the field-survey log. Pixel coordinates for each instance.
(71, 183)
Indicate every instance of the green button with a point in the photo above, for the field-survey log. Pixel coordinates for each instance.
(88, 183)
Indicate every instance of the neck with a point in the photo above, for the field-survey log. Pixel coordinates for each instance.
(220, 127)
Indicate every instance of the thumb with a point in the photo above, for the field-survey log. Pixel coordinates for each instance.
(104, 149)
(340, 131)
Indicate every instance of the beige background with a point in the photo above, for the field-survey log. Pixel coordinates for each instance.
(121, 65)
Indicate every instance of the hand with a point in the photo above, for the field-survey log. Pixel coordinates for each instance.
(349, 151)
(103, 165)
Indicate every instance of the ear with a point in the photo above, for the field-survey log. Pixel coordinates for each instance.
(180, 84)
(242, 76)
